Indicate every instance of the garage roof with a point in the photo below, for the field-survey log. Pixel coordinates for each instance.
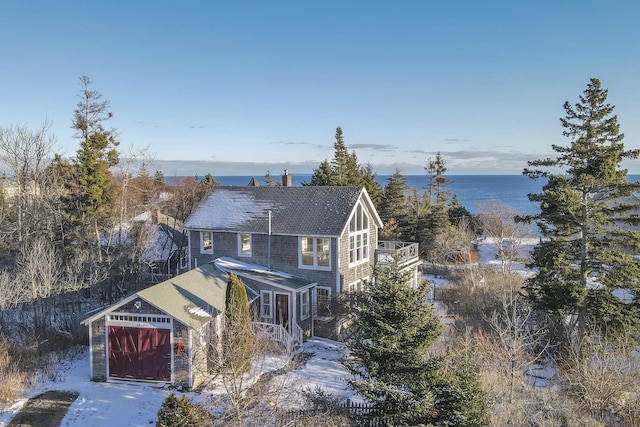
(192, 298)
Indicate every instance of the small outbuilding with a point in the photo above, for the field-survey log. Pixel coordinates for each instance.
(160, 334)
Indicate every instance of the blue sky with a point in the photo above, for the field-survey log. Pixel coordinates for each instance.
(241, 87)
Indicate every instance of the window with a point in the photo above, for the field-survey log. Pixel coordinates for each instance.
(183, 260)
(359, 237)
(314, 253)
(265, 303)
(356, 286)
(323, 301)
(304, 304)
(244, 244)
(206, 242)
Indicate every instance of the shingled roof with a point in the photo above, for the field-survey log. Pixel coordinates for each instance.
(306, 210)
(193, 297)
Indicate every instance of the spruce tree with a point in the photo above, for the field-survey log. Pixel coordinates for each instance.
(323, 176)
(158, 178)
(342, 163)
(393, 205)
(368, 181)
(394, 330)
(209, 181)
(587, 222)
(237, 335)
(343, 170)
(268, 179)
(91, 192)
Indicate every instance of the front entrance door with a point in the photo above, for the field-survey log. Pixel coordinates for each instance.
(282, 310)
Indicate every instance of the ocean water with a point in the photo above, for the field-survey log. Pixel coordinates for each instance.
(472, 191)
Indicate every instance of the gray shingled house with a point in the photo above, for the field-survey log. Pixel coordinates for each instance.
(295, 247)
(161, 333)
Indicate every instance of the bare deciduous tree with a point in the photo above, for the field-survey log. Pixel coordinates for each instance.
(26, 153)
(521, 340)
(601, 373)
(504, 232)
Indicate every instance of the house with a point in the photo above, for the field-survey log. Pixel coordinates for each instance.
(154, 241)
(162, 333)
(296, 247)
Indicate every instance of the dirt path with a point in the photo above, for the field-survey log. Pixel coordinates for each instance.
(44, 410)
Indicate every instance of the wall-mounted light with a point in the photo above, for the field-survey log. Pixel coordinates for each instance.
(137, 305)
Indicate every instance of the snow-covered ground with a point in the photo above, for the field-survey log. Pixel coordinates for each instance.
(126, 404)
(136, 404)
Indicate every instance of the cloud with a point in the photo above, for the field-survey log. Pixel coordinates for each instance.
(455, 140)
(375, 147)
(291, 143)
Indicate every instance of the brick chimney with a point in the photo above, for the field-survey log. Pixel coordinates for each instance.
(287, 181)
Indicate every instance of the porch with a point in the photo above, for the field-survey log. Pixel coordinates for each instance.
(291, 342)
(405, 252)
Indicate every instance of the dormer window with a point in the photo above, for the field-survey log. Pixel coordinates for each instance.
(359, 237)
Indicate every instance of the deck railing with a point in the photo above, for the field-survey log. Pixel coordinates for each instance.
(404, 252)
(291, 342)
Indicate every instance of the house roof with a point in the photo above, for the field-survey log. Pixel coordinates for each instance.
(263, 275)
(192, 298)
(306, 210)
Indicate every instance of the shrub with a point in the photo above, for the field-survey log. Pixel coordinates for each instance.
(176, 412)
(12, 381)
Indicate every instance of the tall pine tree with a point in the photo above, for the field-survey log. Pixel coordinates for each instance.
(586, 219)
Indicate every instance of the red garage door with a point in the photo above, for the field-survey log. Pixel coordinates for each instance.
(140, 353)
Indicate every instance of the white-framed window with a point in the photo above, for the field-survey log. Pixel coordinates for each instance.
(206, 242)
(323, 301)
(183, 260)
(304, 304)
(359, 285)
(359, 237)
(244, 244)
(315, 253)
(266, 304)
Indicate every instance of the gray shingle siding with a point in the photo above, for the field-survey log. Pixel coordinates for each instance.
(98, 350)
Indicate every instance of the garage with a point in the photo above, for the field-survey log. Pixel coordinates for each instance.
(140, 353)
(162, 333)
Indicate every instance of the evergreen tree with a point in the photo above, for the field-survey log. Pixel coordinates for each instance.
(461, 398)
(268, 179)
(586, 219)
(394, 330)
(343, 169)
(437, 181)
(393, 204)
(158, 178)
(90, 113)
(237, 335)
(436, 222)
(92, 193)
(323, 176)
(176, 412)
(209, 181)
(97, 192)
(368, 181)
